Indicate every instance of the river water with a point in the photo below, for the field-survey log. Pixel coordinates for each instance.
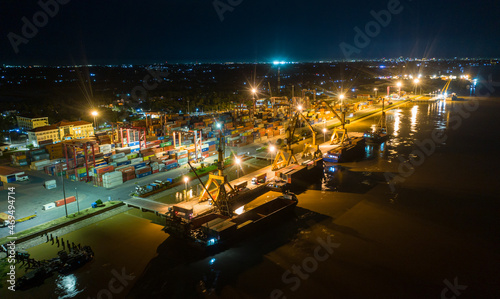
(418, 213)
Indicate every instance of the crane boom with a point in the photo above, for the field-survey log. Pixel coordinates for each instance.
(339, 135)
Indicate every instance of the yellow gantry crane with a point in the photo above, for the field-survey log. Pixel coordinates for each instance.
(285, 156)
(339, 134)
(445, 88)
(310, 149)
(219, 194)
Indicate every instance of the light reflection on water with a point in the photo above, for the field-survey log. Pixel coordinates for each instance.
(67, 286)
(406, 124)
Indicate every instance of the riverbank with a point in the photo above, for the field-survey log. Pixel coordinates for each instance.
(31, 237)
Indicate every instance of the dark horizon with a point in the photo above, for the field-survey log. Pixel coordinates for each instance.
(126, 32)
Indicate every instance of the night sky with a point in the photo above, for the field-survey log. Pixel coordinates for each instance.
(149, 31)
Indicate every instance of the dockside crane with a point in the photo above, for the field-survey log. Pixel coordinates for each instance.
(285, 155)
(339, 134)
(445, 88)
(310, 149)
(219, 194)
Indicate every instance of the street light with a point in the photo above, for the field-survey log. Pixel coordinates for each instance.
(399, 87)
(416, 81)
(77, 204)
(186, 180)
(272, 149)
(64, 191)
(238, 162)
(324, 134)
(94, 114)
(375, 89)
(299, 107)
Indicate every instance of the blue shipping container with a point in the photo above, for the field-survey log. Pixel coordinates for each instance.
(123, 163)
(171, 166)
(144, 174)
(204, 149)
(139, 165)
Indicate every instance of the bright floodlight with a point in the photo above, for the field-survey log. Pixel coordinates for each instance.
(239, 210)
(299, 107)
(218, 125)
(94, 113)
(375, 89)
(399, 84)
(324, 130)
(272, 148)
(341, 96)
(416, 81)
(237, 160)
(186, 179)
(254, 90)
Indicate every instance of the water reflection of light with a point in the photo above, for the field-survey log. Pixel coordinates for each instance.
(414, 112)
(441, 107)
(397, 122)
(67, 286)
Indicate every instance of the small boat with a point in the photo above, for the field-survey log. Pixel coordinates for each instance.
(379, 133)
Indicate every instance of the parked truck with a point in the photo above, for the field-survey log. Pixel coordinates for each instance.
(260, 179)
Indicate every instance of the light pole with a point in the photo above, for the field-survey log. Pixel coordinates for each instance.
(238, 162)
(186, 180)
(341, 97)
(77, 204)
(272, 149)
(254, 92)
(94, 114)
(324, 134)
(416, 81)
(399, 89)
(64, 191)
(375, 89)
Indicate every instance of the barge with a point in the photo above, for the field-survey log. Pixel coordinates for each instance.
(351, 150)
(214, 230)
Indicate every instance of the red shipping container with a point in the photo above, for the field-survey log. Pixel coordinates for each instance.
(70, 199)
(154, 171)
